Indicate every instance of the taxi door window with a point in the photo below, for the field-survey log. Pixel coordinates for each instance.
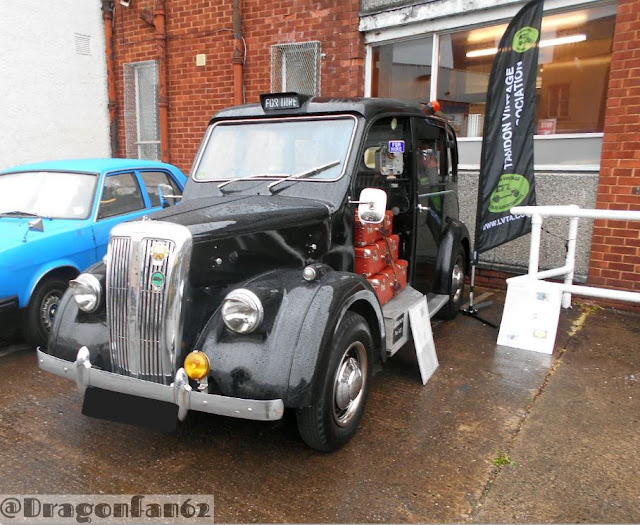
(431, 156)
(385, 161)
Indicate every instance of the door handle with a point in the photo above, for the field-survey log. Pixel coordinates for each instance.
(422, 208)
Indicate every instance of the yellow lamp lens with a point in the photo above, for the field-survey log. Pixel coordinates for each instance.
(196, 365)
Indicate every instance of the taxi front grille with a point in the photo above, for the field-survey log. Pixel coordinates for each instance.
(145, 285)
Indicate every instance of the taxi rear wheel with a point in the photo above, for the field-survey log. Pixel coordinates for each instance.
(42, 309)
(456, 286)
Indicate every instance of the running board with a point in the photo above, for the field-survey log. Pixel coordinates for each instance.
(396, 315)
(436, 303)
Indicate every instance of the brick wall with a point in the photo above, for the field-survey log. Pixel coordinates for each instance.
(205, 27)
(615, 255)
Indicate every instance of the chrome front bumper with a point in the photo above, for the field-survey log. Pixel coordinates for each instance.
(179, 392)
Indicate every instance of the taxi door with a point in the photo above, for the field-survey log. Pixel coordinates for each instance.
(435, 199)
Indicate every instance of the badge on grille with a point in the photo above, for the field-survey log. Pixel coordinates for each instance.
(159, 252)
(157, 281)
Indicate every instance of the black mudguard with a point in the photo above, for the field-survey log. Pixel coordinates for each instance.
(73, 329)
(286, 358)
(456, 234)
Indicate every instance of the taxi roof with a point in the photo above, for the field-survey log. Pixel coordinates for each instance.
(369, 108)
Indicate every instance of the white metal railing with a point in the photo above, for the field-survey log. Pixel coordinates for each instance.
(537, 214)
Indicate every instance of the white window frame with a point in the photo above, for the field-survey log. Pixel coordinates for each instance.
(439, 18)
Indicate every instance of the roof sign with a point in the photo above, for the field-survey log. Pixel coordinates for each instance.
(275, 101)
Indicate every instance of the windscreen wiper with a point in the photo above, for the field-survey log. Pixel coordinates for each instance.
(20, 214)
(254, 176)
(307, 173)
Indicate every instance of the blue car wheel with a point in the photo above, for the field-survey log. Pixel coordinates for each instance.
(42, 309)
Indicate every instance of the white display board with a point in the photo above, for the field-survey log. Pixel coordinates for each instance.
(530, 317)
(423, 339)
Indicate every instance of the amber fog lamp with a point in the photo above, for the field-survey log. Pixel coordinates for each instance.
(196, 365)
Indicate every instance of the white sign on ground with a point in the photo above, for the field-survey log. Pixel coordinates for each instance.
(530, 317)
(423, 339)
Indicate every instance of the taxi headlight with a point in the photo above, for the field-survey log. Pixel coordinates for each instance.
(87, 292)
(242, 311)
(196, 365)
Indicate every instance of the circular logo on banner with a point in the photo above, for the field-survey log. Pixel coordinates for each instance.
(525, 39)
(157, 280)
(512, 190)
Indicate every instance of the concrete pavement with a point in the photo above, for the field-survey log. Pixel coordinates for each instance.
(568, 423)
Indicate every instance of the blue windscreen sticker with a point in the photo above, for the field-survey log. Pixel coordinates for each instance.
(396, 146)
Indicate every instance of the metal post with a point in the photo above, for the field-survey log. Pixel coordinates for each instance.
(534, 251)
(571, 253)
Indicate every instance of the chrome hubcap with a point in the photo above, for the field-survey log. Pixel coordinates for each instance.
(349, 383)
(457, 280)
(48, 310)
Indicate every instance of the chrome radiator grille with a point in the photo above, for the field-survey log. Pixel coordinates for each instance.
(146, 282)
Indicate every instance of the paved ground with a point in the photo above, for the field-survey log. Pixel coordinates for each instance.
(568, 423)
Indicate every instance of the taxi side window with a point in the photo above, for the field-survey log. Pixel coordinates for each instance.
(432, 155)
(385, 152)
(121, 194)
(151, 181)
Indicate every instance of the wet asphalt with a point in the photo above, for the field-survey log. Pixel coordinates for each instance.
(565, 429)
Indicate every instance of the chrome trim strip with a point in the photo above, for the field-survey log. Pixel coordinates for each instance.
(178, 393)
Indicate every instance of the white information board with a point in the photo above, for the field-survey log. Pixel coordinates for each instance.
(423, 339)
(530, 317)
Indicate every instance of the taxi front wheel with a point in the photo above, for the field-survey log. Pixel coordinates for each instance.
(332, 420)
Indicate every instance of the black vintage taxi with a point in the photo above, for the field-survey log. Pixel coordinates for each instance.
(307, 229)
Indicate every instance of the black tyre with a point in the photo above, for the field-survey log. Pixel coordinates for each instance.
(334, 417)
(42, 309)
(456, 286)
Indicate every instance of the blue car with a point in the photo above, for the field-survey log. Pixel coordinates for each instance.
(55, 219)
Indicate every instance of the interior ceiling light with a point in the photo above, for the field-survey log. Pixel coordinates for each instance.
(548, 23)
(572, 39)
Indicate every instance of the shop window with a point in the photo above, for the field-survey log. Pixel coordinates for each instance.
(296, 67)
(142, 121)
(403, 70)
(574, 62)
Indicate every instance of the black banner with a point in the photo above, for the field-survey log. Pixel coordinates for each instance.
(506, 165)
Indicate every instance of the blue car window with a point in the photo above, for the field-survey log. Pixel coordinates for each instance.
(121, 194)
(152, 179)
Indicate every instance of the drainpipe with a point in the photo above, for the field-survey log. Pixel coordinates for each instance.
(107, 17)
(163, 100)
(238, 55)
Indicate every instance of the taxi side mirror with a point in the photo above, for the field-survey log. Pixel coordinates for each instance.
(166, 199)
(372, 205)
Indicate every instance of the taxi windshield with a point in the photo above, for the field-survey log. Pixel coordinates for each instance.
(57, 195)
(277, 148)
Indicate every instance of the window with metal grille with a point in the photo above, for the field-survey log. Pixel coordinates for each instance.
(142, 121)
(296, 67)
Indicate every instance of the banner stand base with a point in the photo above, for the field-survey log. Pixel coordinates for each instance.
(473, 312)
(472, 309)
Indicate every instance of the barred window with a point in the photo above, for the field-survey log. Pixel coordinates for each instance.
(142, 121)
(296, 67)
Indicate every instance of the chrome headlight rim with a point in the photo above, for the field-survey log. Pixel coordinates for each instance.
(87, 292)
(249, 299)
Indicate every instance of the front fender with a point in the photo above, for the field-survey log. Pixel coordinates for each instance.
(73, 329)
(456, 234)
(283, 360)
